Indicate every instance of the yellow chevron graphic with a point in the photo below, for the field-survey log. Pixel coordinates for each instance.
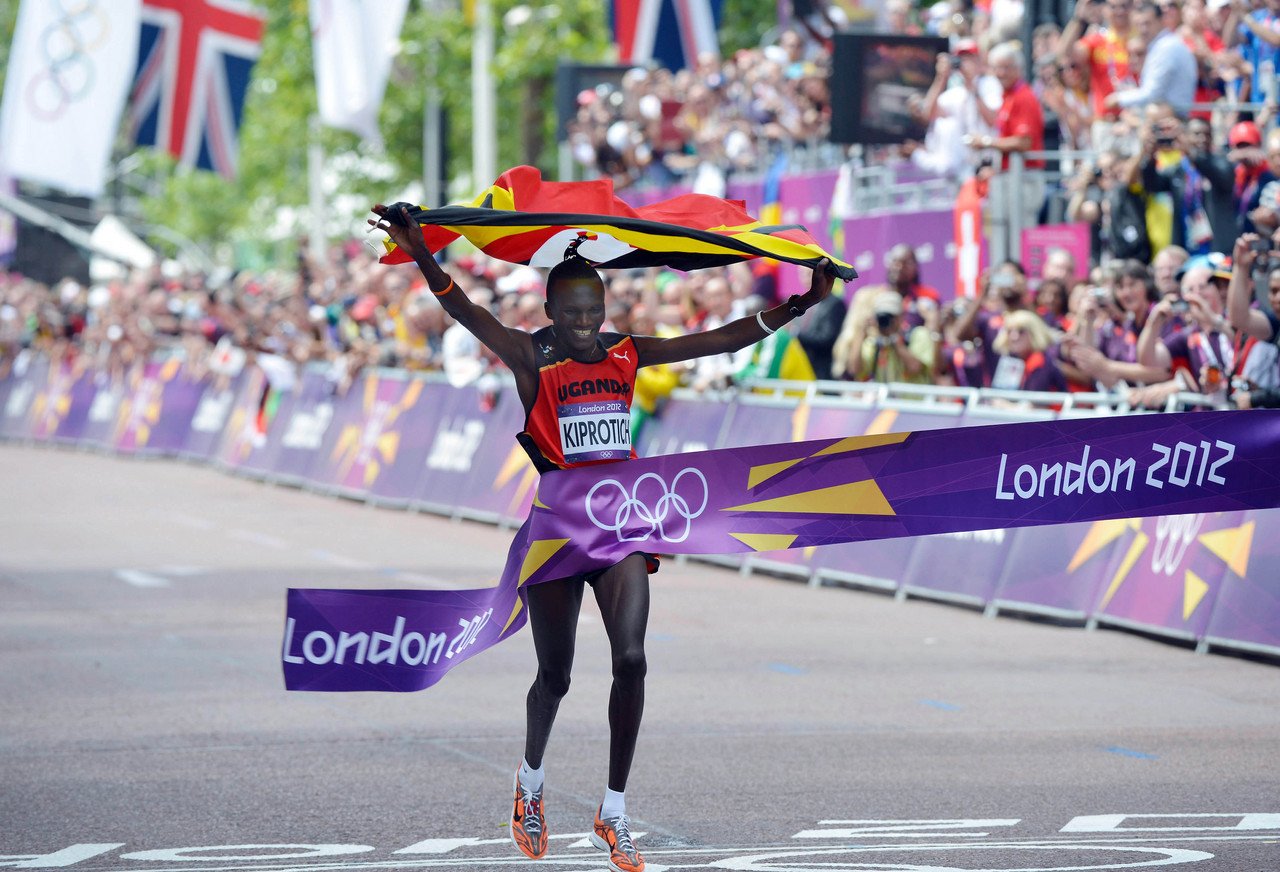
(857, 443)
(515, 610)
(1193, 590)
(883, 422)
(1231, 545)
(855, 498)
(1135, 550)
(765, 541)
(539, 553)
(766, 471)
(1100, 535)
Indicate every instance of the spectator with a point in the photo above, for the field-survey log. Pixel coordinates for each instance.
(818, 330)
(1006, 294)
(1183, 166)
(1023, 361)
(1260, 385)
(1165, 270)
(1019, 128)
(951, 110)
(1105, 54)
(1169, 73)
(888, 350)
(1257, 34)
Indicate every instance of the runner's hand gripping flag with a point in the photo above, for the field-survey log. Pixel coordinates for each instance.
(523, 219)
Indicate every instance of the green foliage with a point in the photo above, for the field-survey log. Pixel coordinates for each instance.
(744, 23)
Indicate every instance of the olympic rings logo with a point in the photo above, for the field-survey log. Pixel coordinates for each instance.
(68, 73)
(634, 520)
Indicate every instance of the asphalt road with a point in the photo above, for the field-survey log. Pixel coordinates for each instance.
(146, 727)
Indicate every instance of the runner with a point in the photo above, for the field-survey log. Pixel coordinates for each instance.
(576, 387)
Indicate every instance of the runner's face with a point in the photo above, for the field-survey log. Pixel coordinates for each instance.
(576, 310)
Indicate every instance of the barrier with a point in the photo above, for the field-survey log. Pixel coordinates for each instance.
(413, 441)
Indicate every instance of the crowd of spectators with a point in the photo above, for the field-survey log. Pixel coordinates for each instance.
(1178, 179)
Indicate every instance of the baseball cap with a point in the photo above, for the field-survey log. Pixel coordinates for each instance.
(965, 46)
(1244, 133)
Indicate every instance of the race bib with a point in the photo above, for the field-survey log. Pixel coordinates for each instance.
(595, 431)
(1008, 374)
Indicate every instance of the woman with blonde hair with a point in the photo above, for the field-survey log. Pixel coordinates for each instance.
(1025, 362)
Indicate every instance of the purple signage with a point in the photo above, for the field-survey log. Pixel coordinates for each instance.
(796, 495)
(1246, 610)
(304, 420)
(212, 413)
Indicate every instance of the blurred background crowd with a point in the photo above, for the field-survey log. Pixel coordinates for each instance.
(1158, 120)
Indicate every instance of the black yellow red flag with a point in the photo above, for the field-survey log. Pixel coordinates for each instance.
(523, 219)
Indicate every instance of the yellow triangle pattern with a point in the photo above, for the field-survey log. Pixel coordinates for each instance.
(514, 611)
(857, 443)
(539, 553)
(1232, 545)
(1193, 590)
(883, 422)
(765, 541)
(855, 498)
(1100, 535)
(800, 421)
(766, 471)
(1136, 548)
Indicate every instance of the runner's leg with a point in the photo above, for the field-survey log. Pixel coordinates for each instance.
(553, 619)
(622, 593)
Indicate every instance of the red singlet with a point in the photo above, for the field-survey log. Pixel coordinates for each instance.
(582, 412)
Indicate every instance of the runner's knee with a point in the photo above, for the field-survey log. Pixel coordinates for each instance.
(553, 683)
(630, 665)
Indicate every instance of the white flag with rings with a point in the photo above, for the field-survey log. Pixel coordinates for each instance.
(69, 74)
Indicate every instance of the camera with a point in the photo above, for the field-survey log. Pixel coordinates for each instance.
(1179, 306)
(1261, 245)
(1102, 295)
(884, 321)
(1166, 140)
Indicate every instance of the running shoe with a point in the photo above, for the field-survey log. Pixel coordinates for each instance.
(528, 827)
(614, 836)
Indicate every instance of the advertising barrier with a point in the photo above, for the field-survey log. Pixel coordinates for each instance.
(1209, 577)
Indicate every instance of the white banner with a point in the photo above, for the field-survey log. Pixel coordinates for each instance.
(69, 74)
(352, 43)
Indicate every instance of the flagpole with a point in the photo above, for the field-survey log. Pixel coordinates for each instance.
(316, 238)
(483, 124)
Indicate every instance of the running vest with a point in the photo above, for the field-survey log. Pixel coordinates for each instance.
(582, 412)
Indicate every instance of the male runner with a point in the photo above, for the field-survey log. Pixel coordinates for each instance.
(576, 387)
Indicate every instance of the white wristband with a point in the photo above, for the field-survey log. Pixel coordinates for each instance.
(763, 326)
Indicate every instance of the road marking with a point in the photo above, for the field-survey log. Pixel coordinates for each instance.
(787, 669)
(940, 705)
(182, 571)
(138, 578)
(339, 560)
(905, 829)
(258, 538)
(66, 857)
(1129, 752)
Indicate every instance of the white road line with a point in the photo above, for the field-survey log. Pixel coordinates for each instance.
(182, 571)
(138, 578)
(339, 560)
(258, 538)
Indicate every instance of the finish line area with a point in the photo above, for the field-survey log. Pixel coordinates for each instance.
(787, 727)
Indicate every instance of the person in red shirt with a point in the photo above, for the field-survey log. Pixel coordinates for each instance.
(1105, 51)
(576, 385)
(1019, 125)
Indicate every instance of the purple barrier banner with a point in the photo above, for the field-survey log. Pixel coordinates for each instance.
(363, 437)
(61, 406)
(681, 426)
(177, 404)
(473, 464)
(965, 566)
(139, 410)
(1247, 607)
(25, 383)
(795, 495)
(211, 416)
(245, 431)
(102, 424)
(392, 447)
(1058, 570)
(1168, 570)
(294, 444)
(931, 234)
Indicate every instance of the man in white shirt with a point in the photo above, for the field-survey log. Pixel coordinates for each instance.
(953, 113)
(1169, 72)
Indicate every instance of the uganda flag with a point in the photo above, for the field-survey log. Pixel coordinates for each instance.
(523, 219)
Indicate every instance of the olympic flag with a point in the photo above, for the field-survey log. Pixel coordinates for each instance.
(68, 77)
(352, 44)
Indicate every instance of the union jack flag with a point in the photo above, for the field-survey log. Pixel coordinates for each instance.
(194, 62)
(672, 32)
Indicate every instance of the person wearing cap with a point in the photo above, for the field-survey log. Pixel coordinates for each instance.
(576, 385)
(955, 107)
(1256, 33)
(1180, 161)
(1245, 143)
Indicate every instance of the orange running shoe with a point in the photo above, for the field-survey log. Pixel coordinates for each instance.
(614, 836)
(528, 827)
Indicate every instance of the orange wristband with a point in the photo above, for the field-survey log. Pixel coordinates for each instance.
(445, 291)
